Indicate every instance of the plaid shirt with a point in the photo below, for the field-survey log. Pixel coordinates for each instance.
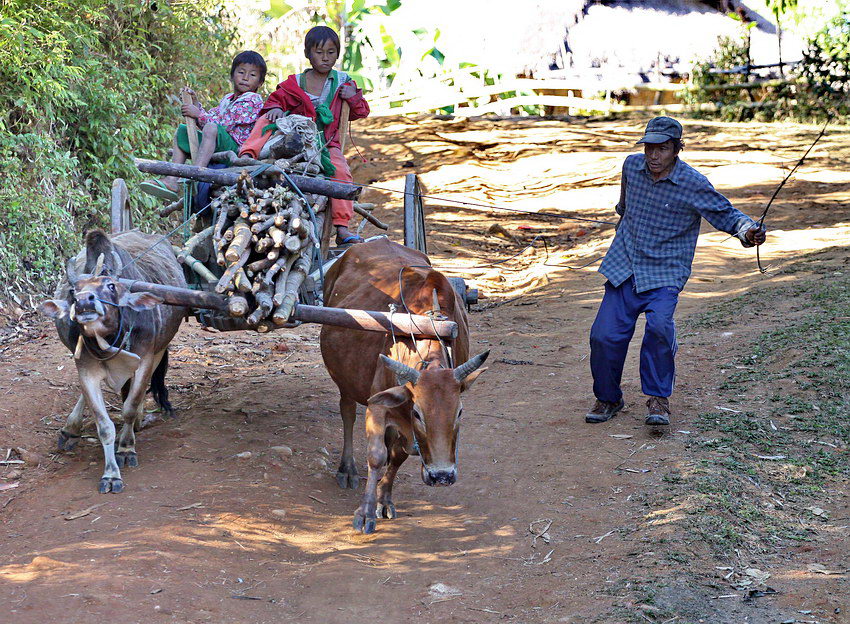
(660, 223)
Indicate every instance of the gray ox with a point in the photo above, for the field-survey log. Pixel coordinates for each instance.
(116, 336)
(411, 388)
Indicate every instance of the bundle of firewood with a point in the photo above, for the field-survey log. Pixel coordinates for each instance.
(264, 239)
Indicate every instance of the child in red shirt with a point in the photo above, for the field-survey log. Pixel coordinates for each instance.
(318, 93)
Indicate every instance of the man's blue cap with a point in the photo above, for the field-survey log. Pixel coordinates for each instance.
(661, 129)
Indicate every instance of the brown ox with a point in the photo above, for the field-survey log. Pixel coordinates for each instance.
(116, 336)
(411, 389)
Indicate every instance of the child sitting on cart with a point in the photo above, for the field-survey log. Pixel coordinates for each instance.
(318, 93)
(225, 127)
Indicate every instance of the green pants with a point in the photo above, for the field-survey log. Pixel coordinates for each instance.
(223, 141)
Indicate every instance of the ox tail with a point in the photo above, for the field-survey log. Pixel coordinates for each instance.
(158, 387)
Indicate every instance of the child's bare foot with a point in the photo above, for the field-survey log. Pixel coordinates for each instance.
(344, 236)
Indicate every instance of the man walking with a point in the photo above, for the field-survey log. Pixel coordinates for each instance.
(662, 200)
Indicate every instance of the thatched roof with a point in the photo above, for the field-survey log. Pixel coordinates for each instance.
(506, 36)
(612, 36)
(662, 36)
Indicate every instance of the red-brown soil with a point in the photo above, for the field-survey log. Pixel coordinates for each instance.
(200, 535)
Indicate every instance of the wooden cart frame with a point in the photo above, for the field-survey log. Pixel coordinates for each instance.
(211, 309)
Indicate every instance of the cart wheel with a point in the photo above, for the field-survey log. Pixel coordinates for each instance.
(414, 214)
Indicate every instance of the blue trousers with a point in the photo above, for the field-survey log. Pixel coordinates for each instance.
(613, 330)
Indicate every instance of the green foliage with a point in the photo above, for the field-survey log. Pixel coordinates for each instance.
(781, 7)
(826, 67)
(349, 20)
(791, 442)
(820, 82)
(731, 52)
(358, 43)
(85, 88)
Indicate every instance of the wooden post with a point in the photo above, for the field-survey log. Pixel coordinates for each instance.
(191, 128)
(343, 125)
(120, 212)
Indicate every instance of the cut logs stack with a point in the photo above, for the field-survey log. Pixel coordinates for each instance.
(265, 241)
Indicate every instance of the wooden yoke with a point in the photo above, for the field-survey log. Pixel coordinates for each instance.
(191, 127)
(365, 320)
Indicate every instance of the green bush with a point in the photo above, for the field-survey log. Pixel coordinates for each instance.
(85, 89)
(731, 52)
(820, 83)
(825, 68)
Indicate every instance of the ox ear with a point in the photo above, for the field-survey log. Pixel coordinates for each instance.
(466, 384)
(139, 301)
(391, 398)
(54, 308)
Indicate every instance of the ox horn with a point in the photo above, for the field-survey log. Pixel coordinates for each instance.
(403, 372)
(98, 267)
(470, 366)
(71, 272)
(118, 265)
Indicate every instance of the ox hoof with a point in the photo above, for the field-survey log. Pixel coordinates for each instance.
(111, 484)
(386, 510)
(364, 524)
(126, 458)
(347, 481)
(67, 441)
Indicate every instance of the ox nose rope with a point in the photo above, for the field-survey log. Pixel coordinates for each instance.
(393, 309)
(124, 338)
(760, 221)
(445, 350)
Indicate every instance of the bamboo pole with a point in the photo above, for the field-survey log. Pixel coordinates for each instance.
(191, 128)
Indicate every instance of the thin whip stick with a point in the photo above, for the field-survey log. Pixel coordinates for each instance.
(760, 220)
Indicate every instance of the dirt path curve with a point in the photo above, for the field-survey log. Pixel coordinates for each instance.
(202, 535)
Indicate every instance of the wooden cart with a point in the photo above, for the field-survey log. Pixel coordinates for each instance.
(212, 309)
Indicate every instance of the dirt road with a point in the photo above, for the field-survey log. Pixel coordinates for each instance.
(552, 520)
